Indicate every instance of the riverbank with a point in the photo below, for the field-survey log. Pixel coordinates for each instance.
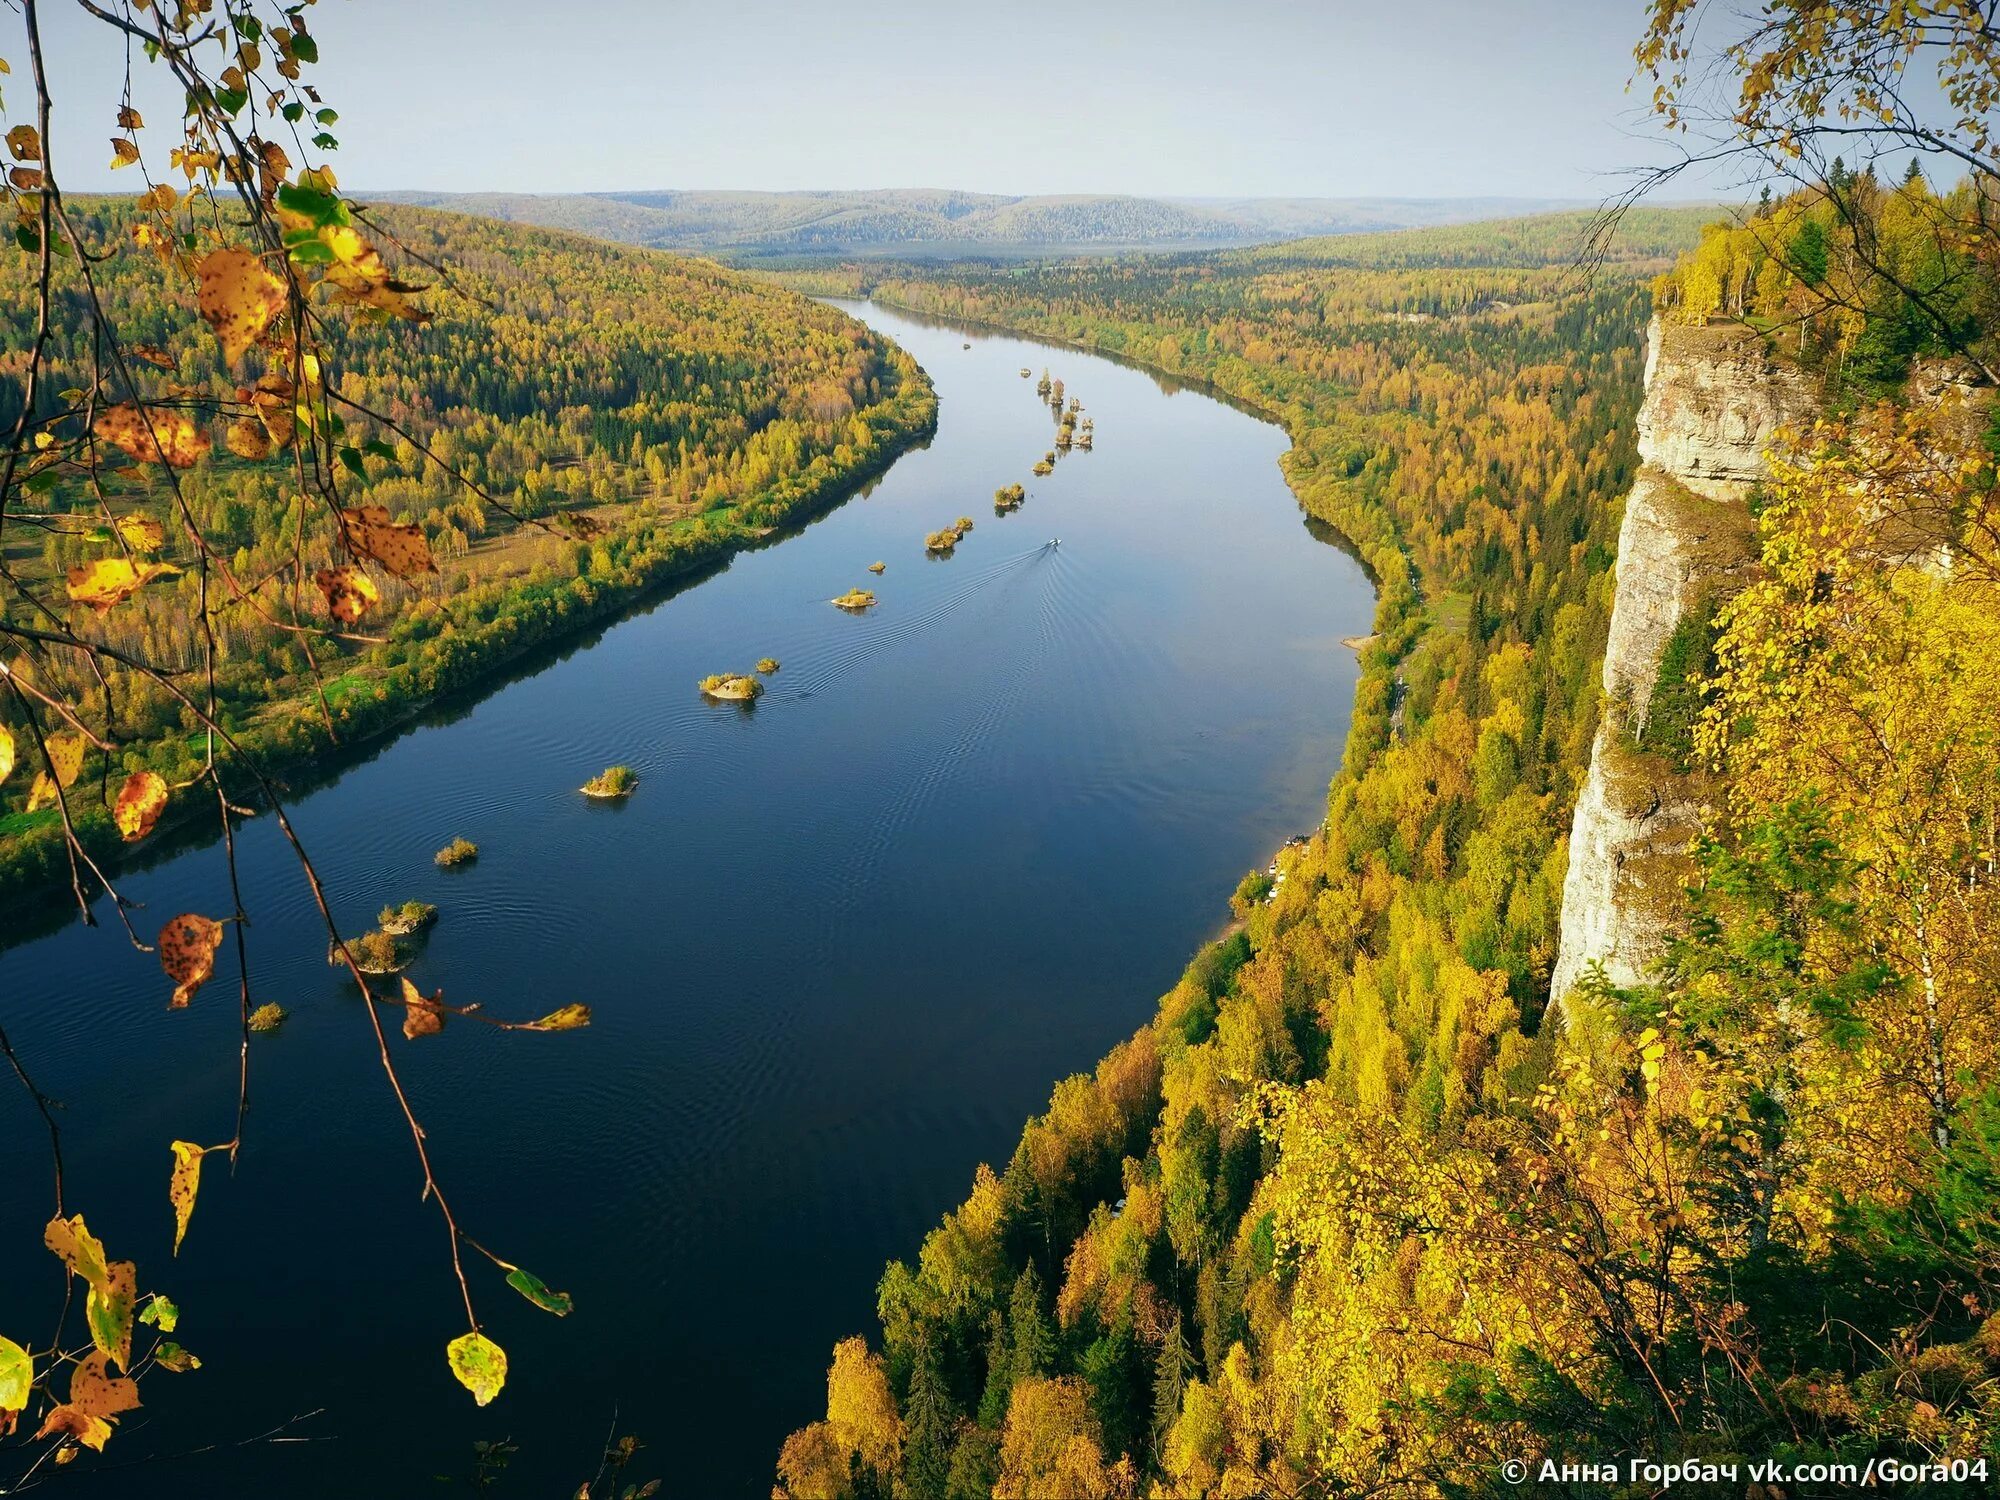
(474, 635)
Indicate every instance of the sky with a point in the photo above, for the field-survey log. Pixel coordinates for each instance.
(1333, 98)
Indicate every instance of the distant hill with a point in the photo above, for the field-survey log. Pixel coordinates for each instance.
(918, 222)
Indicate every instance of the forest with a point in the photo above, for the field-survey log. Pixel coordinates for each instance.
(1365, 1208)
(640, 415)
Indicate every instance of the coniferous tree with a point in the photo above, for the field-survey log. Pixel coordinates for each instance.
(1033, 1341)
(1172, 1371)
(927, 1421)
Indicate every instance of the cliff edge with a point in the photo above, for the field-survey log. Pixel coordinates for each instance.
(1715, 400)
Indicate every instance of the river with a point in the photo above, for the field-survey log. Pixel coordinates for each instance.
(839, 945)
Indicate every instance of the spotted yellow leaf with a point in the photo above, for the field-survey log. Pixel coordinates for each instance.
(248, 438)
(142, 533)
(187, 952)
(183, 1185)
(140, 802)
(155, 435)
(399, 547)
(349, 593)
(239, 296)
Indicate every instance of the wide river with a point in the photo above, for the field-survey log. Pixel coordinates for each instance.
(839, 946)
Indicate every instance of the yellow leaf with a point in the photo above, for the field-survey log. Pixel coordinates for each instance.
(71, 1242)
(66, 756)
(68, 1421)
(569, 1018)
(239, 296)
(6, 752)
(349, 592)
(183, 1185)
(93, 1389)
(480, 1365)
(248, 438)
(110, 581)
(400, 548)
(142, 533)
(42, 793)
(152, 436)
(423, 1015)
(187, 953)
(24, 143)
(140, 802)
(158, 199)
(123, 153)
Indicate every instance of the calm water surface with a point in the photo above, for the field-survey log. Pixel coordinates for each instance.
(839, 946)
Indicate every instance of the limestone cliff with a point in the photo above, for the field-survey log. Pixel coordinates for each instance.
(1714, 402)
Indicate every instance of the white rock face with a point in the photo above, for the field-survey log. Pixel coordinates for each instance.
(1714, 404)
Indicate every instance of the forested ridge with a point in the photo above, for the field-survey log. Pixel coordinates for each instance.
(1361, 1210)
(636, 414)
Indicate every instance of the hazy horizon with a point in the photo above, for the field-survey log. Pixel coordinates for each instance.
(1271, 100)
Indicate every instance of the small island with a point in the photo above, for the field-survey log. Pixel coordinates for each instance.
(878, 567)
(1026, 372)
(767, 664)
(1043, 469)
(942, 541)
(732, 687)
(612, 783)
(855, 600)
(268, 1017)
(411, 916)
(374, 953)
(457, 852)
(1009, 497)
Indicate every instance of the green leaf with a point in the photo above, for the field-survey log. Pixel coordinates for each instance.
(352, 458)
(326, 142)
(109, 1311)
(304, 48)
(231, 101)
(479, 1363)
(293, 112)
(17, 1376)
(379, 448)
(171, 1356)
(311, 203)
(531, 1286)
(327, 116)
(161, 1313)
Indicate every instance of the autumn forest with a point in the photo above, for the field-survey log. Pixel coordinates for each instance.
(502, 728)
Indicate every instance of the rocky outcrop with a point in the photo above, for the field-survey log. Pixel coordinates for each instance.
(1715, 401)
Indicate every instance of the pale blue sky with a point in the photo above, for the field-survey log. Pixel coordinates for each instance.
(1190, 97)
